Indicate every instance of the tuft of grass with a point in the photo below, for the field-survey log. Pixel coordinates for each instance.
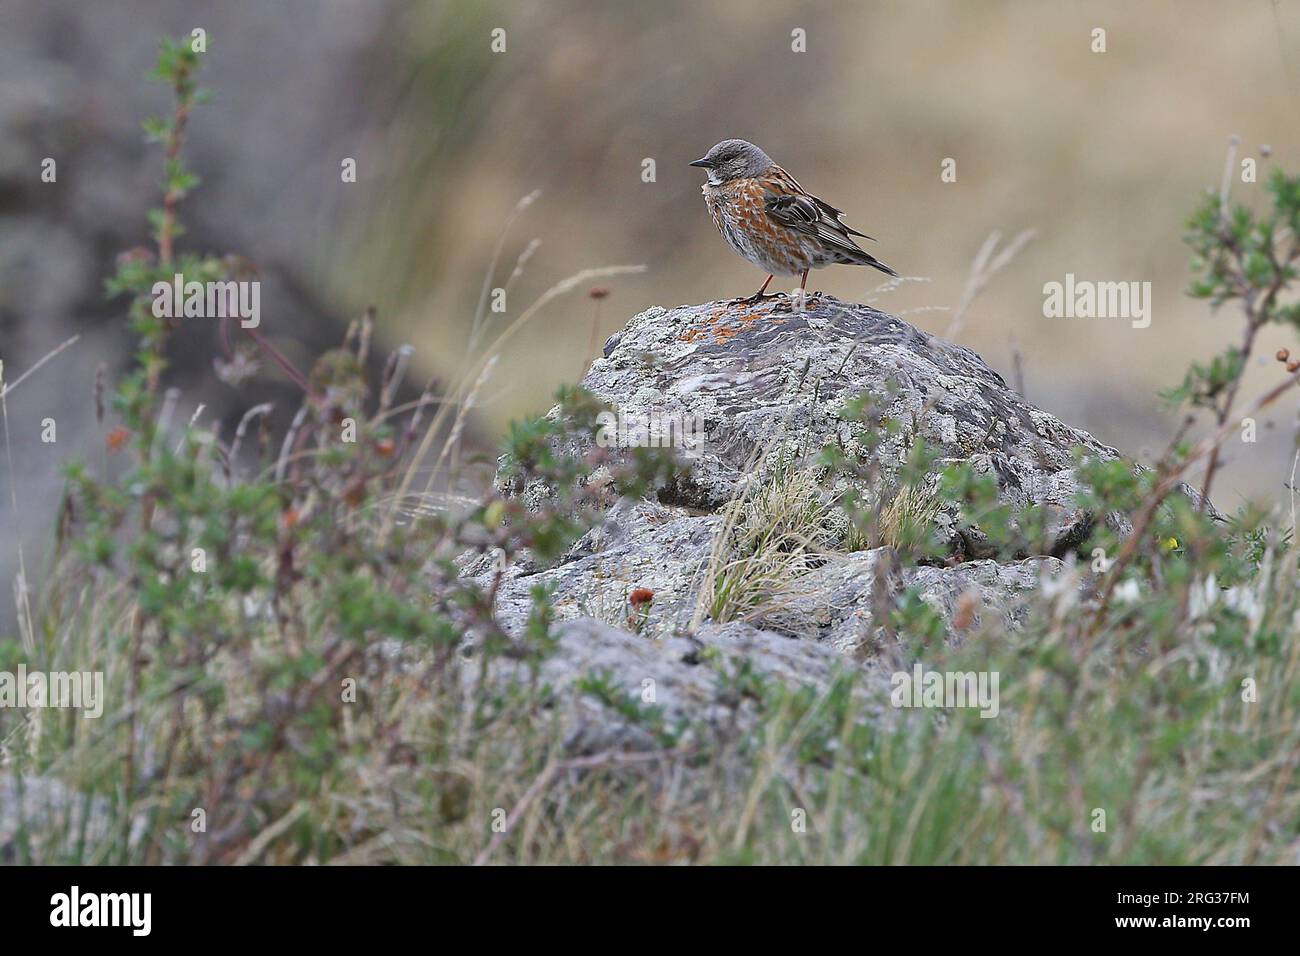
(770, 535)
(906, 522)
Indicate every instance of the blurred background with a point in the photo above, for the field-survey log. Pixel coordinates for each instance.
(1103, 154)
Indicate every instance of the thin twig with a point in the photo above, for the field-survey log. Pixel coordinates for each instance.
(6, 388)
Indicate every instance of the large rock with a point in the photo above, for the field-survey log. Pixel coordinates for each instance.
(684, 676)
(770, 382)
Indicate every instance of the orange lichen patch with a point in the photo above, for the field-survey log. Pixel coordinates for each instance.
(719, 332)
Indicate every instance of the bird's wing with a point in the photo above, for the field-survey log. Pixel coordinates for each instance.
(836, 214)
(802, 214)
(797, 212)
(789, 204)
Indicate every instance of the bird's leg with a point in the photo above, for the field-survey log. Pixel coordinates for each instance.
(801, 297)
(757, 295)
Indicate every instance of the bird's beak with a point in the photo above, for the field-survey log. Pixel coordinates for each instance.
(703, 163)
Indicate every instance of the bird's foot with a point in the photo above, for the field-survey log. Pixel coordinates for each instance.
(756, 298)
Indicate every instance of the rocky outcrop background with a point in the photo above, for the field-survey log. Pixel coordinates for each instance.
(73, 88)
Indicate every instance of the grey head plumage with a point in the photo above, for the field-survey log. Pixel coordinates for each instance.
(734, 159)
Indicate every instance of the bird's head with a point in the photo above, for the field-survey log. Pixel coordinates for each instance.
(734, 159)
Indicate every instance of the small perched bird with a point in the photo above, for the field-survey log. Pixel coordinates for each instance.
(772, 221)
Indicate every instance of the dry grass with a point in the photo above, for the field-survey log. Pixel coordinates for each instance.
(905, 522)
(770, 535)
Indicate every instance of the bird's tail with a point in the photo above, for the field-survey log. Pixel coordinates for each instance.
(867, 259)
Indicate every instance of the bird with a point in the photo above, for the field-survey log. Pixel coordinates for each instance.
(772, 221)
